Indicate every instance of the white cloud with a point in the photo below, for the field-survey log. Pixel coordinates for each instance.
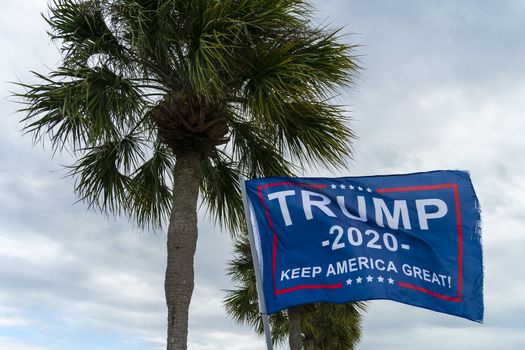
(9, 317)
(33, 249)
(7, 321)
(10, 344)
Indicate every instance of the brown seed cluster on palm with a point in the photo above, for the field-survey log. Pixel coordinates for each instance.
(185, 122)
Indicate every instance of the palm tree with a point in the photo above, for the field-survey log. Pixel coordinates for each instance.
(332, 326)
(161, 100)
(324, 325)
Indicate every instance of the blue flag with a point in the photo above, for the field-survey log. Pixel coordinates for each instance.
(411, 238)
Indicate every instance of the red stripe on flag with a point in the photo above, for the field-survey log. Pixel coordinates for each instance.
(454, 188)
(276, 240)
(310, 286)
(434, 294)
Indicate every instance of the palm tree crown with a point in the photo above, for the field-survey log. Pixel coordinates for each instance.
(144, 80)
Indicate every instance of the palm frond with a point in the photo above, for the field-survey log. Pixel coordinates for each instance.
(150, 194)
(221, 190)
(303, 66)
(241, 303)
(254, 149)
(78, 107)
(153, 29)
(81, 29)
(223, 35)
(310, 139)
(240, 269)
(102, 174)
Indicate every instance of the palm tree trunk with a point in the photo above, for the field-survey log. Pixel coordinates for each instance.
(295, 338)
(309, 344)
(182, 241)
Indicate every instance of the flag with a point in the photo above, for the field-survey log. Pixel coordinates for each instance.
(412, 238)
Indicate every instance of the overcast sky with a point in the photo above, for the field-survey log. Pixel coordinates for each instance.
(443, 87)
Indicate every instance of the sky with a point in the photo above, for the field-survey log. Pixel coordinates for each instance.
(442, 87)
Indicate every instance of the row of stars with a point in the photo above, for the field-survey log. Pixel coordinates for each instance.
(369, 279)
(351, 187)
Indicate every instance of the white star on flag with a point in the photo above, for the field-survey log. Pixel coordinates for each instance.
(333, 186)
(342, 186)
(369, 278)
(351, 187)
(360, 188)
(358, 279)
(380, 279)
(348, 281)
(390, 280)
(368, 189)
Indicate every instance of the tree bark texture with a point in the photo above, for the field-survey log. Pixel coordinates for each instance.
(295, 337)
(309, 344)
(182, 241)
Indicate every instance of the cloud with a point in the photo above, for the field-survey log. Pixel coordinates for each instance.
(16, 345)
(10, 318)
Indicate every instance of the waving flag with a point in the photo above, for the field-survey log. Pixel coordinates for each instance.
(411, 238)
